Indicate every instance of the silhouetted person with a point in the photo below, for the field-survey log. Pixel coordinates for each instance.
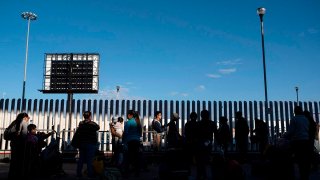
(241, 135)
(224, 136)
(312, 134)
(261, 133)
(159, 128)
(206, 130)
(88, 144)
(18, 144)
(298, 133)
(191, 131)
(174, 138)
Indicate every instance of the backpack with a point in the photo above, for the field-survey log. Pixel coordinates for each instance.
(10, 132)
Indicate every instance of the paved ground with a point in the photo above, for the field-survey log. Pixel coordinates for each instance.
(151, 173)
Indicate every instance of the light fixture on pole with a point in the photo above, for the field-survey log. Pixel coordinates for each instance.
(261, 11)
(30, 17)
(118, 89)
(297, 93)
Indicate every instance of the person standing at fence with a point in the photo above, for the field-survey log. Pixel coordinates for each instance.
(16, 169)
(158, 127)
(206, 130)
(298, 134)
(191, 130)
(88, 144)
(261, 135)
(116, 128)
(224, 135)
(131, 138)
(241, 135)
(35, 141)
(174, 138)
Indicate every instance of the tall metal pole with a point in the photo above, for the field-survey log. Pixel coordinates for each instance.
(29, 16)
(261, 12)
(297, 93)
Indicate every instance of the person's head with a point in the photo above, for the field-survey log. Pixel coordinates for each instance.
(223, 120)
(120, 119)
(130, 114)
(158, 115)
(87, 115)
(175, 117)
(238, 114)
(298, 110)
(205, 115)
(193, 116)
(22, 116)
(32, 128)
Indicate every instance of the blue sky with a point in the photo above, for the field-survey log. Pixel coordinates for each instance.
(168, 49)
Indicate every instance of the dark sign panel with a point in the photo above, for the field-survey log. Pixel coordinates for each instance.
(71, 73)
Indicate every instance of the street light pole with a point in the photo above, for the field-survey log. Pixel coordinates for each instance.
(297, 93)
(261, 11)
(28, 16)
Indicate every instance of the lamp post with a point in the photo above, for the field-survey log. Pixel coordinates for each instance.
(118, 89)
(261, 11)
(297, 93)
(30, 17)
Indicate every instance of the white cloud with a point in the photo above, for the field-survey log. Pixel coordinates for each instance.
(201, 88)
(230, 62)
(214, 76)
(227, 71)
(184, 94)
(175, 93)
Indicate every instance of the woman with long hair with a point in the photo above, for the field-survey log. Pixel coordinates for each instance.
(17, 145)
(131, 138)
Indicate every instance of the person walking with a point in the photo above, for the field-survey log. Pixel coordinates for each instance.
(88, 144)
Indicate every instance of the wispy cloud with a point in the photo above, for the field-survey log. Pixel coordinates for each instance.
(214, 76)
(175, 93)
(200, 88)
(227, 71)
(230, 62)
(309, 31)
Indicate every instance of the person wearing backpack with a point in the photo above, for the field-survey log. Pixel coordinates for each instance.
(17, 144)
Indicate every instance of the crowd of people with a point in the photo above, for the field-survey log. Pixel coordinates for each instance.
(195, 144)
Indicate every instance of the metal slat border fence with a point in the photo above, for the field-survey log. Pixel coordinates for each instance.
(49, 114)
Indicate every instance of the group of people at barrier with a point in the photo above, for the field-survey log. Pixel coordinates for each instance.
(196, 142)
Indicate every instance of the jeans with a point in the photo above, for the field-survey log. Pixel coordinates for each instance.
(86, 155)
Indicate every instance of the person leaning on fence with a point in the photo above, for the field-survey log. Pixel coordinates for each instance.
(158, 127)
(16, 169)
(88, 144)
